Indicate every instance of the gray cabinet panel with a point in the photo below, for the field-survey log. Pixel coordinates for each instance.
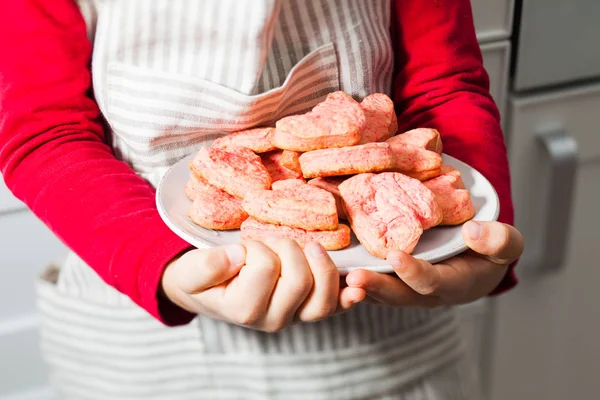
(574, 110)
(558, 42)
(547, 329)
(546, 337)
(476, 317)
(493, 19)
(496, 57)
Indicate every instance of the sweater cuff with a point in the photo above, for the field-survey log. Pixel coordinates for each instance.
(149, 281)
(507, 283)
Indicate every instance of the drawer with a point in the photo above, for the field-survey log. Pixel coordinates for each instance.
(8, 202)
(545, 176)
(26, 247)
(493, 19)
(558, 43)
(496, 59)
(575, 110)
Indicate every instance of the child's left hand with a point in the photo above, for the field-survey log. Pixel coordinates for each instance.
(462, 279)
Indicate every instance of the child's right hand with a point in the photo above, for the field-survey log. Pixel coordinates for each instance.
(260, 286)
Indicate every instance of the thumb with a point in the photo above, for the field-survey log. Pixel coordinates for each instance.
(501, 243)
(199, 270)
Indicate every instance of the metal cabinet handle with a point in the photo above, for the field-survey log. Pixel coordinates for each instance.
(560, 173)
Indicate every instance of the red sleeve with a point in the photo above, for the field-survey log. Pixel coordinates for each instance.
(54, 157)
(440, 82)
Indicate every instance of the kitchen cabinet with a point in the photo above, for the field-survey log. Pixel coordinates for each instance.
(546, 331)
(496, 60)
(558, 43)
(493, 19)
(476, 318)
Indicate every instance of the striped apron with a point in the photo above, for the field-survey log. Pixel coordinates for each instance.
(170, 76)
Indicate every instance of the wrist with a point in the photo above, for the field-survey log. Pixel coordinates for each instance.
(171, 298)
(166, 287)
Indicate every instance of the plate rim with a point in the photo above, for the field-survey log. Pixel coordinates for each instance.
(343, 270)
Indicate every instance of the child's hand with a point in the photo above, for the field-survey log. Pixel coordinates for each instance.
(461, 279)
(260, 286)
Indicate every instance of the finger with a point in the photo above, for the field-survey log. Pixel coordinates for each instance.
(349, 297)
(388, 289)
(471, 276)
(293, 286)
(419, 275)
(199, 270)
(245, 299)
(501, 243)
(370, 300)
(322, 301)
(457, 280)
(445, 281)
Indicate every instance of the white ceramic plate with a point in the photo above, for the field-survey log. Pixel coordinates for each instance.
(435, 244)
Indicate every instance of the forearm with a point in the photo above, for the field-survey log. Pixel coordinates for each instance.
(54, 157)
(440, 82)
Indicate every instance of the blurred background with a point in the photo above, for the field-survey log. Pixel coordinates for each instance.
(541, 340)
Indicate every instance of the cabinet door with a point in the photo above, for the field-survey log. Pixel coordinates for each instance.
(496, 59)
(493, 19)
(558, 42)
(476, 317)
(546, 337)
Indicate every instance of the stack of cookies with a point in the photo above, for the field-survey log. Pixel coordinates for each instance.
(390, 188)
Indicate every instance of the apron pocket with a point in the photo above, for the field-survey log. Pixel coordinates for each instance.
(158, 117)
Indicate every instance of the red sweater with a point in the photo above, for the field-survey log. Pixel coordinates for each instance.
(54, 154)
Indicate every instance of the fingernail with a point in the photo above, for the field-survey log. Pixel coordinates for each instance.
(236, 254)
(396, 259)
(474, 230)
(315, 249)
(393, 256)
(352, 280)
(358, 299)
